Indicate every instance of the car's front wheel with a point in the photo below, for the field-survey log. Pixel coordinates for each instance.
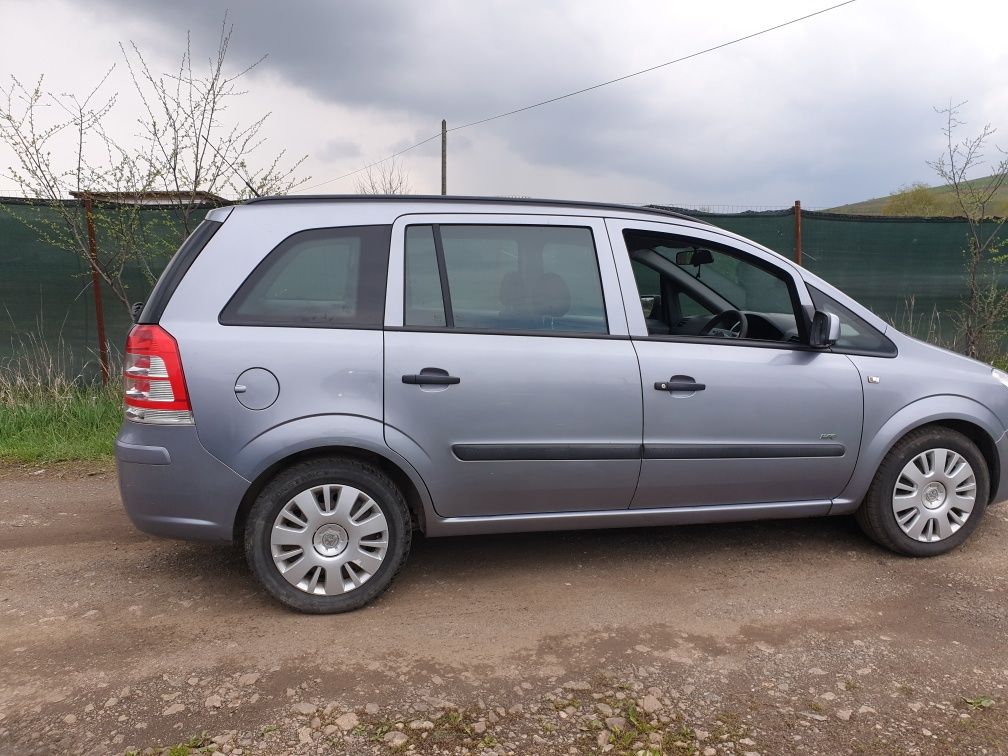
(328, 535)
(928, 495)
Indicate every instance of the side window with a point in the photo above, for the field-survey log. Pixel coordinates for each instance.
(648, 289)
(424, 305)
(855, 332)
(324, 278)
(708, 285)
(690, 308)
(505, 278)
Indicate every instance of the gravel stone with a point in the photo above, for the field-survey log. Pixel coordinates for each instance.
(396, 739)
(651, 704)
(348, 721)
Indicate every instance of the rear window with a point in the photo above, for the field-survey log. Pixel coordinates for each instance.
(323, 278)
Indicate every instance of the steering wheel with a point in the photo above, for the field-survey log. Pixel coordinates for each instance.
(737, 319)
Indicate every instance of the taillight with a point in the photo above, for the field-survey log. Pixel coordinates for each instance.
(155, 390)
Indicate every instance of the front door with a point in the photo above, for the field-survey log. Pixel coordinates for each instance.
(738, 409)
(510, 382)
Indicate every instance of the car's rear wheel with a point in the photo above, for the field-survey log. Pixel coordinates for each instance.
(328, 535)
(928, 495)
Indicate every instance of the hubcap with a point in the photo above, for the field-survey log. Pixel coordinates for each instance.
(934, 495)
(329, 539)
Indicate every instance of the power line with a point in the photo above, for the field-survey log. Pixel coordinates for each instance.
(589, 89)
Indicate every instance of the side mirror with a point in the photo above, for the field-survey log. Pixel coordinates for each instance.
(825, 329)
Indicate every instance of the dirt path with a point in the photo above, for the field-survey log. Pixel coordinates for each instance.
(778, 637)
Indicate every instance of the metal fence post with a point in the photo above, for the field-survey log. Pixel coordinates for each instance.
(797, 232)
(103, 358)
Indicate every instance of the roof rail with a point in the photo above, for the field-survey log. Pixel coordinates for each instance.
(648, 209)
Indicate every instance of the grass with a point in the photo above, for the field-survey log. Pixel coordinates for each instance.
(49, 414)
(979, 702)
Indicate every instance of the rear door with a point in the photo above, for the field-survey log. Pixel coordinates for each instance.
(511, 384)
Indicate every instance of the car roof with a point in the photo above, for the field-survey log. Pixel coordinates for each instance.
(454, 200)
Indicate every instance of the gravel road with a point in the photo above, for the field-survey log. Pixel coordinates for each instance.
(775, 637)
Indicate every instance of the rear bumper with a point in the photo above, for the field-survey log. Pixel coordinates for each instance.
(171, 486)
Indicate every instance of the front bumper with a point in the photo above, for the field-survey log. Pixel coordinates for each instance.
(999, 493)
(171, 486)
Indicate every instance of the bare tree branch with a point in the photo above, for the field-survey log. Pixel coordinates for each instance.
(985, 307)
(189, 147)
(387, 177)
(194, 146)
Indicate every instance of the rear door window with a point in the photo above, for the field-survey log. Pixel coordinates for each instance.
(326, 278)
(515, 278)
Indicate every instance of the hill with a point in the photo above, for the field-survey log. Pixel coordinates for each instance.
(942, 195)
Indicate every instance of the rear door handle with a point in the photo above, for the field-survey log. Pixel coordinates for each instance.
(431, 377)
(679, 383)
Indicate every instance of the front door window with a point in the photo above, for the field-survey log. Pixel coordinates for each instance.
(700, 289)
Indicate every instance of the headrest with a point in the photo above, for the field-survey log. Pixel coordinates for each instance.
(550, 296)
(513, 295)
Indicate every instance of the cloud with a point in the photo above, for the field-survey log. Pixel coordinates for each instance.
(337, 149)
(833, 109)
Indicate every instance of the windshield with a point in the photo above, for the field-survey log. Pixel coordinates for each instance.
(717, 276)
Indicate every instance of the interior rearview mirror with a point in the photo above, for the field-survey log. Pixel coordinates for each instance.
(825, 329)
(695, 257)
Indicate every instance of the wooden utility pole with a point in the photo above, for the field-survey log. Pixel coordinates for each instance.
(444, 157)
(96, 288)
(797, 232)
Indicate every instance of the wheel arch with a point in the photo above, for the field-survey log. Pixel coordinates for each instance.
(957, 413)
(416, 499)
(983, 441)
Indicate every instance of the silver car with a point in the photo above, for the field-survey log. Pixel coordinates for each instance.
(318, 378)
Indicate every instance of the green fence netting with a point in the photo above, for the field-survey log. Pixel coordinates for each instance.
(904, 269)
(45, 292)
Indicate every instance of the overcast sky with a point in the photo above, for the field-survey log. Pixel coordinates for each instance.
(834, 109)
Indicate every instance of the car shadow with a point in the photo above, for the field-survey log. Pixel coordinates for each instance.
(679, 542)
(459, 560)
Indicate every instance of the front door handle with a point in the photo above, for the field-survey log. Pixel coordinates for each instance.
(679, 383)
(431, 377)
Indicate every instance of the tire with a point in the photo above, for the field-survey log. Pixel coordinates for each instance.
(352, 544)
(948, 528)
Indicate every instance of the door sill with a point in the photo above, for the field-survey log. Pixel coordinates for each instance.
(625, 518)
